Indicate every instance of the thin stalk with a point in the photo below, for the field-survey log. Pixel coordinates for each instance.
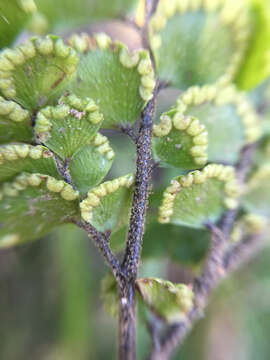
(130, 264)
(127, 312)
(127, 322)
(101, 241)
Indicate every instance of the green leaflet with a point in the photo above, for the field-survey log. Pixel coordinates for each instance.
(229, 119)
(32, 205)
(18, 158)
(207, 122)
(255, 66)
(119, 81)
(36, 72)
(180, 141)
(66, 14)
(181, 244)
(167, 300)
(14, 15)
(117, 239)
(91, 163)
(15, 122)
(199, 197)
(186, 36)
(257, 193)
(67, 127)
(107, 206)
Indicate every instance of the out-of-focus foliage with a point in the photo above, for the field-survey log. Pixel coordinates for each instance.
(48, 201)
(200, 27)
(14, 16)
(255, 67)
(54, 16)
(167, 300)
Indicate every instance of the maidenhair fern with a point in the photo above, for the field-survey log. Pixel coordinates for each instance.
(205, 65)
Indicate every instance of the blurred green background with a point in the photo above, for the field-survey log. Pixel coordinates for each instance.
(51, 308)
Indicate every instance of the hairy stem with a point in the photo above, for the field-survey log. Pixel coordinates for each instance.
(140, 195)
(126, 289)
(101, 241)
(127, 322)
(127, 316)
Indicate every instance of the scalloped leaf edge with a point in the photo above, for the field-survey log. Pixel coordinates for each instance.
(95, 195)
(22, 181)
(190, 126)
(13, 111)
(15, 152)
(139, 59)
(69, 105)
(219, 96)
(102, 145)
(226, 174)
(237, 19)
(50, 45)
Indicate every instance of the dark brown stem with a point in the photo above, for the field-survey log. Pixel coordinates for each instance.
(128, 130)
(101, 241)
(140, 196)
(127, 318)
(213, 269)
(63, 169)
(126, 289)
(127, 322)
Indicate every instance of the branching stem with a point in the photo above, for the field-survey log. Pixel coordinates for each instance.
(101, 242)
